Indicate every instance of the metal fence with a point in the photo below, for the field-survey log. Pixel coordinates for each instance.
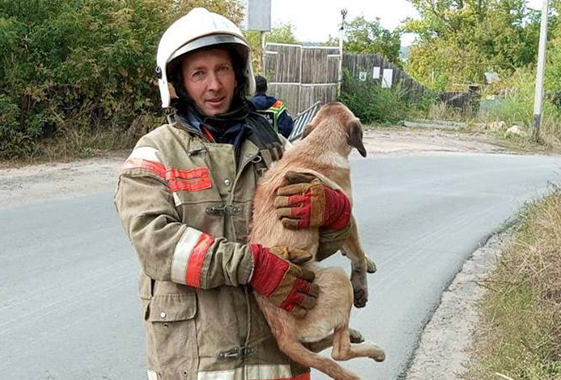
(302, 120)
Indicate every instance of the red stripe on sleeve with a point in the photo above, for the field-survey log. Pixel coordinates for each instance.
(196, 260)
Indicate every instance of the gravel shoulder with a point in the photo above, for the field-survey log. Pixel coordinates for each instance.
(442, 351)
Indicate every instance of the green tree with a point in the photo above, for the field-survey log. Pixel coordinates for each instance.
(284, 33)
(368, 37)
(459, 40)
(553, 65)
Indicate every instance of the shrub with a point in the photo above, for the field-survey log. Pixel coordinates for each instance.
(81, 66)
(516, 106)
(372, 103)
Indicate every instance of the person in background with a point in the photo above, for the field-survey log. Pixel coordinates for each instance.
(273, 109)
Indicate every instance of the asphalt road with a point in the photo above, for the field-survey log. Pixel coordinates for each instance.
(68, 305)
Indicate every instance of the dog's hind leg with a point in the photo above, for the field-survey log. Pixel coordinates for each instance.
(320, 345)
(344, 350)
(300, 354)
(359, 262)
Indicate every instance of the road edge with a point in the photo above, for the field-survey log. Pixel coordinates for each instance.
(444, 345)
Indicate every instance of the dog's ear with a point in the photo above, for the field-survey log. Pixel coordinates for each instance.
(355, 136)
(307, 130)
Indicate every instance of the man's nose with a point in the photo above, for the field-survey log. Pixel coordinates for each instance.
(214, 82)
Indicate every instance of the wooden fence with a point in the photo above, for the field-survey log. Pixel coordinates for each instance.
(384, 72)
(302, 75)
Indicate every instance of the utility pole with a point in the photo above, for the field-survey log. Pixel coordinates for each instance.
(263, 52)
(341, 34)
(538, 96)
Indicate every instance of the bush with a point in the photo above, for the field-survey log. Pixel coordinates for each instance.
(81, 66)
(61, 56)
(372, 103)
(516, 106)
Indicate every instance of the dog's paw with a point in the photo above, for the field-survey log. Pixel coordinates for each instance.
(370, 266)
(360, 298)
(377, 354)
(355, 336)
(360, 288)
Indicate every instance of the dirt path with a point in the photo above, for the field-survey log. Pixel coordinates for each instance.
(37, 183)
(406, 141)
(442, 351)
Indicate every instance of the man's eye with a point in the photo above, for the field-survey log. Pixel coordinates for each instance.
(224, 68)
(198, 74)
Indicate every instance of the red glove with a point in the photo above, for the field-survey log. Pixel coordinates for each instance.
(309, 205)
(284, 284)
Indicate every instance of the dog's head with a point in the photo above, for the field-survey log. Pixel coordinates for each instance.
(337, 114)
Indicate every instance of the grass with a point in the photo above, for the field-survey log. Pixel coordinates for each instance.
(514, 106)
(520, 337)
(512, 111)
(77, 142)
(72, 147)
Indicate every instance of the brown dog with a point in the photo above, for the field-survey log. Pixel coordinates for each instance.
(324, 153)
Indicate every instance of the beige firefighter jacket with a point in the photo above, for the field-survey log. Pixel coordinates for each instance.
(186, 206)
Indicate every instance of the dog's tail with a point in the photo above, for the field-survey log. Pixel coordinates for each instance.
(300, 354)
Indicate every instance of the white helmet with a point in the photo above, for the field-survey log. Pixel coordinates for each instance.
(197, 29)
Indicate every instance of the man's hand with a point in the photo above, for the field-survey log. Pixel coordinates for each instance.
(308, 203)
(284, 284)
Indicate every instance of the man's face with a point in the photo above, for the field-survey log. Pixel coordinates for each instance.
(209, 78)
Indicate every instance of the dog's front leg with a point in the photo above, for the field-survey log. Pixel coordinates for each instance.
(359, 263)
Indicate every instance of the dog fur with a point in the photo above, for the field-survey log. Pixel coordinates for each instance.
(324, 153)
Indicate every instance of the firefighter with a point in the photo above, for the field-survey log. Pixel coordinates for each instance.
(272, 108)
(184, 198)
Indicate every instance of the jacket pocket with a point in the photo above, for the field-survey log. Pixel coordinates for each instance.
(173, 307)
(171, 338)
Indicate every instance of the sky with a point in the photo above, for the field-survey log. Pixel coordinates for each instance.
(315, 20)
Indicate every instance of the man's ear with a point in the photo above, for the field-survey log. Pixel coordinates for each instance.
(355, 136)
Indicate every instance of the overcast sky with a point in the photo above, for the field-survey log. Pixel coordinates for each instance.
(315, 20)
